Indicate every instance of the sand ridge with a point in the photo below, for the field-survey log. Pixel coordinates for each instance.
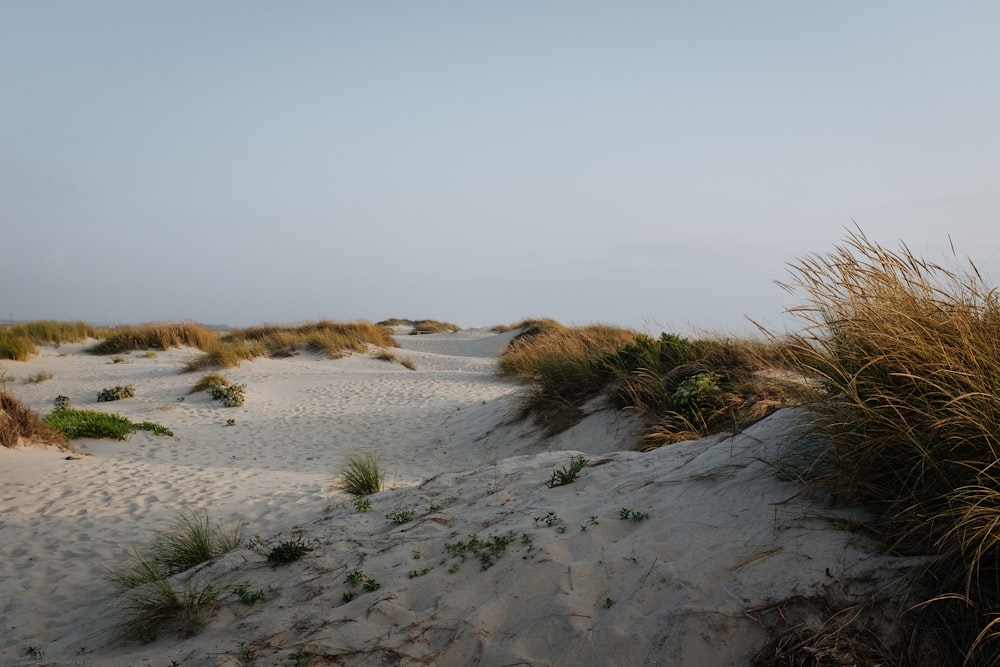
(578, 584)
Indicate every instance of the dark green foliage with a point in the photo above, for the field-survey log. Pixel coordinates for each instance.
(288, 551)
(567, 475)
(115, 393)
(231, 396)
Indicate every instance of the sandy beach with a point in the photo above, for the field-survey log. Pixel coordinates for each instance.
(667, 557)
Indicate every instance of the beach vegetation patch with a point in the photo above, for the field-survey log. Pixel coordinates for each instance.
(39, 377)
(361, 474)
(15, 347)
(19, 425)
(681, 388)
(115, 393)
(73, 424)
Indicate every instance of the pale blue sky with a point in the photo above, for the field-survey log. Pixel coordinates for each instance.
(649, 164)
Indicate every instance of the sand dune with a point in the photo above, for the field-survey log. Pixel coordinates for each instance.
(573, 583)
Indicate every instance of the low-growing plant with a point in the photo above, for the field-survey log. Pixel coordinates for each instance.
(248, 595)
(485, 551)
(362, 505)
(118, 359)
(61, 402)
(39, 377)
(399, 517)
(231, 396)
(73, 424)
(361, 474)
(288, 551)
(208, 382)
(568, 474)
(626, 514)
(115, 393)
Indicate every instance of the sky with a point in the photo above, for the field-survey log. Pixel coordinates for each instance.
(656, 165)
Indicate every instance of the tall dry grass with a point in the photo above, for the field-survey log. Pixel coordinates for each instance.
(19, 425)
(156, 335)
(909, 351)
(334, 339)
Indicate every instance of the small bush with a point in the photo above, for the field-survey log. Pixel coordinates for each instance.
(208, 382)
(362, 475)
(115, 393)
(61, 403)
(231, 396)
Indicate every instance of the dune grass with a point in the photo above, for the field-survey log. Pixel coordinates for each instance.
(20, 425)
(334, 339)
(150, 600)
(909, 352)
(361, 474)
(155, 336)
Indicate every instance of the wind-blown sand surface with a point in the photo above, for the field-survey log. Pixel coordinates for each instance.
(576, 585)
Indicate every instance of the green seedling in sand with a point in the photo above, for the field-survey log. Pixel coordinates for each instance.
(288, 551)
(549, 520)
(362, 505)
(486, 551)
(400, 517)
(247, 595)
(359, 578)
(626, 514)
(567, 475)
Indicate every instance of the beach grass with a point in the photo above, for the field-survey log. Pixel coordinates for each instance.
(334, 339)
(909, 353)
(361, 474)
(155, 336)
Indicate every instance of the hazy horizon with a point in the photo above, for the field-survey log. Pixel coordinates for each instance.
(655, 165)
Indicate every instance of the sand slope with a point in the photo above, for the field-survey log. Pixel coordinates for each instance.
(576, 584)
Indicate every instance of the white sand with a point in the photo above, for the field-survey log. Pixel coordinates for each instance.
(724, 534)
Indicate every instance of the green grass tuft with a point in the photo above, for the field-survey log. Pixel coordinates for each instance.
(361, 475)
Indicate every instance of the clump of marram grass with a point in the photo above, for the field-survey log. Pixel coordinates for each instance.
(18, 342)
(333, 339)
(361, 474)
(155, 336)
(909, 352)
(19, 425)
(155, 595)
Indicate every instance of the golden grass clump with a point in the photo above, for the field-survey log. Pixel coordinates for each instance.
(334, 339)
(910, 354)
(159, 336)
(21, 426)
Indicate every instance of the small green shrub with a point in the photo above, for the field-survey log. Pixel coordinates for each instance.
(61, 402)
(75, 424)
(115, 393)
(362, 505)
(231, 396)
